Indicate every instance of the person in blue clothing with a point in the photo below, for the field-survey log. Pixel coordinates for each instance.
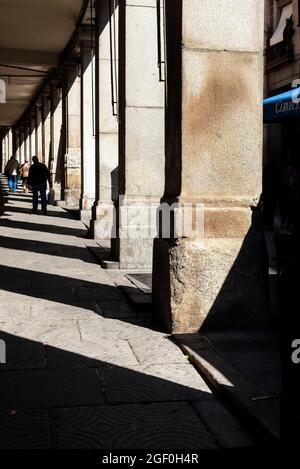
(11, 172)
(38, 176)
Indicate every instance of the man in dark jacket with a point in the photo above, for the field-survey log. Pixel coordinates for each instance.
(37, 179)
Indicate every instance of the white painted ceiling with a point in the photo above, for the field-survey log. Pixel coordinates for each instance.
(33, 34)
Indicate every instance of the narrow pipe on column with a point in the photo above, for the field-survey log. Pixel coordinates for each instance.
(92, 72)
(113, 58)
(160, 62)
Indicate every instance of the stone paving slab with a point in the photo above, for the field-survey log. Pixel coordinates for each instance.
(92, 354)
(84, 273)
(58, 334)
(17, 299)
(19, 283)
(45, 229)
(31, 296)
(135, 296)
(52, 312)
(39, 281)
(38, 239)
(63, 295)
(158, 351)
(24, 305)
(150, 426)
(25, 429)
(154, 383)
(6, 272)
(228, 432)
(116, 309)
(31, 246)
(246, 350)
(40, 263)
(245, 396)
(94, 329)
(99, 292)
(15, 311)
(21, 354)
(49, 388)
(143, 281)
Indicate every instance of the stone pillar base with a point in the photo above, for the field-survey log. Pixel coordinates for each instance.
(85, 213)
(211, 284)
(72, 198)
(138, 227)
(103, 223)
(135, 254)
(85, 216)
(60, 203)
(86, 203)
(57, 194)
(72, 191)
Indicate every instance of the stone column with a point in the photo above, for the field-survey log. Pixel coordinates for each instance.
(4, 136)
(47, 130)
(33, 150)
(141, 133)
(106, 123)
(26, 142)
(39, 134)
(22, 145)
(16, 143)
(56, 166)
(87, 133)
(215, 275)
(3, 149)
(2, 153)
(72, 97)
(29, 147)
(9, 147)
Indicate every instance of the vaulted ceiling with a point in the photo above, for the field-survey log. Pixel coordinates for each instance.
(33, 34)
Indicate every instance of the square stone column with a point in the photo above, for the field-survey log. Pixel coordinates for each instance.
(2, 151)
(6, 142)
(46, 109)
(106, 123)
(39, 133)
(88, 182)
(9, 145)
(141, 133)
(72, 160)
(16, 143)
(22, 145)
(26, 142)
(33, 149)
(29, 149)
(56, 164)
(215, 274)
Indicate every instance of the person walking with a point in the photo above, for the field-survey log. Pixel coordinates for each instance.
(37, 179)
(11, 172)
(24, 173)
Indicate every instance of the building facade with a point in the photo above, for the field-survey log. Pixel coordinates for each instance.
(282, 113)
(142, 122)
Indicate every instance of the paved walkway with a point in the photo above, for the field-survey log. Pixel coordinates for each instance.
(83, 370)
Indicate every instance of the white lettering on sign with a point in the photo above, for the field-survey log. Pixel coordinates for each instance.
(295, 93)
(296, 352)
(286, 107)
